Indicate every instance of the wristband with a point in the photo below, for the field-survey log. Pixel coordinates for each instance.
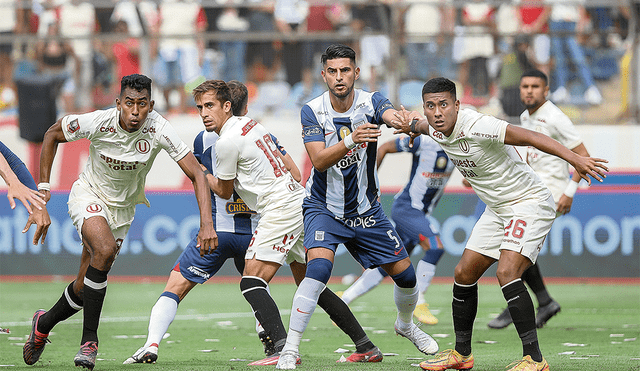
(348, 141)
(412, 126)
(572, 187)
(44, 187)
(206, 172)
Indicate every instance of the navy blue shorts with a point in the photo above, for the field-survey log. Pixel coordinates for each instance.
(199, 269)
(370, 237)
(413, 226)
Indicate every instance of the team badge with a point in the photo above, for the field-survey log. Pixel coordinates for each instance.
(464, 146)
(94, 208)
(73, 126)
(143, 146)
(441, 162)
(344, 131)
(319, 236)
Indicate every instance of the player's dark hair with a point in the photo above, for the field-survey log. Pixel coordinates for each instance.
(239, 97)
(536, 73)
(336, 51)
(439, 85)
(223, 93)
(137, 82)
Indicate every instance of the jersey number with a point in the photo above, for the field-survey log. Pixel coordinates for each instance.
(272, 154)
(518, 230)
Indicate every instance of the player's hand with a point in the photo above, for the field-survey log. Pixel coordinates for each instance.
(39, 217)
(26, 195)
(466, 183)
(403, 121)
(564, 204)
(594, 167)
(366, 133)
(207, 241)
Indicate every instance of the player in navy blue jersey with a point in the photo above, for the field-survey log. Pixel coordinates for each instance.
(430, 171)
(340, 130)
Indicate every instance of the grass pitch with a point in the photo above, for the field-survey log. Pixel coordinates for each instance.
(597, 329)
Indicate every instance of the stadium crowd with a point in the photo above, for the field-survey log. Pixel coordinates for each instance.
(83, 48)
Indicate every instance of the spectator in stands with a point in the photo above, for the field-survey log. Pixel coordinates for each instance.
(564, 21)
(178, 58)
(290, 16)
(9, 24)
(77, 20)
(233, 65)
(261, 55)
(514, 64)
(426, 49)
(125, 52)
(534, 16)
(473, 49)
(374, 50)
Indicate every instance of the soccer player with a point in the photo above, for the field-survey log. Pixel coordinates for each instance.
(22, 186)
(430, 171)
(519, 213)
(340, 130)
(125, 140)
(234, 227)
(247, 158)
(545, 117)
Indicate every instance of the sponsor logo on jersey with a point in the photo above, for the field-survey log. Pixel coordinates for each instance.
(173, 147)
(361, 105)
(352, 157)
(238, 207)
(358, 221)
(94, 208)
(143, 146)
(464, 146)
(311, 131)
(73, 126)
(321, 113)
(464, 163)
(151, 130)
(199, 272)
(460, 135)
(437, 134)
(248, 126)
(485, 135)
(358, 124)
(121, 165)
(107, 129)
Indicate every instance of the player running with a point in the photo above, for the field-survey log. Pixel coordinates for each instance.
(520, 211)
(430, 172)
(125, 141)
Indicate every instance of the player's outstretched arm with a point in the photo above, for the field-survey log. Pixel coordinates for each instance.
(584, 166)
(207, 237)
(323, 157)
(18, 190)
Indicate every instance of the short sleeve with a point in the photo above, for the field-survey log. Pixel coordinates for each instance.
(227, 163)
(312, 131)
(81, 126)
(489, 130)
(380, 106)
(567, 134)
(171, 142)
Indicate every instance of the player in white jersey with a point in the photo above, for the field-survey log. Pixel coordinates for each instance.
(340, 130)
(247, 158)
(519, 213)
(430, 172)
(125, 141)
(543, 116)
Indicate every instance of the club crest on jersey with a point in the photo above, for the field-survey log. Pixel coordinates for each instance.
(94, 208)
(73, 126)
(143, 146)
(344, 131)
(464, 146)
(441, 162)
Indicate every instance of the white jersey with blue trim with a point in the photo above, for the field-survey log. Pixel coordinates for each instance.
(430, 172)
(350, 187)
(229, 215)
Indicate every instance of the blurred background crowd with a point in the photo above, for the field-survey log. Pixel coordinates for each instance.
(74, 52)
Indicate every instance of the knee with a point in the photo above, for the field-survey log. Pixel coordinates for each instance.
(462, 276)
(319, 269)
(507, 274)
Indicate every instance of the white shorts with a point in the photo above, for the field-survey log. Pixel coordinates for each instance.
(84, 204)
(521, 228)
(278, 237)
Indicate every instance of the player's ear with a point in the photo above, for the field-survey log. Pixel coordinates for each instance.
(151, 105)
(227, 106)
(118, 104)
(357, 70)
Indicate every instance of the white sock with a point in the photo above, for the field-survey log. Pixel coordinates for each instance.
(162, 314)
(304, 303)
(370, 278)
(424, 273)
(405, 299)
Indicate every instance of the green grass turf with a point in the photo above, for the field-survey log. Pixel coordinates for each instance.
(215, 317)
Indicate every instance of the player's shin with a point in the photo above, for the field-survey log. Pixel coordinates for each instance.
(95, 289)
(68, 305)
(254, 290)
(465, 308)
(523, 314)
(342, 316)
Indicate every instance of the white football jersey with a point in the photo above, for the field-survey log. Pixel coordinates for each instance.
(551, 121)
(118, 160)
(497, 172)
(247, 153)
